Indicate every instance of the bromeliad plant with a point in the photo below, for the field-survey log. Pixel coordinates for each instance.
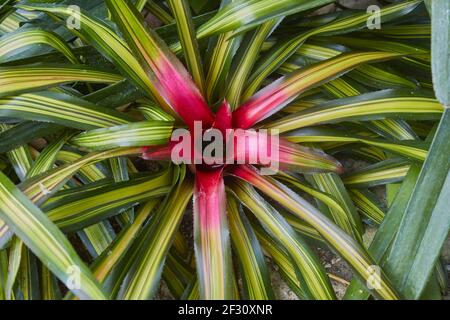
(102, 91)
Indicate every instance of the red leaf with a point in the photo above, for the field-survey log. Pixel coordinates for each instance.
(212, 244)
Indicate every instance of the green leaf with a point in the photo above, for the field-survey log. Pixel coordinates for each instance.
(382, 241)
(440, 13)
(426, 221)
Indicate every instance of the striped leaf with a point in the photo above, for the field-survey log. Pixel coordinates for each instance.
(277, 95)
(96, 238)
(39, 188)
(45, 161)
(167, 73)
(20, 79)
(177, 274)
(20, 261)
(378, 76)
(24, 132)
(14, 43)
(351, 251)
(5, 234)
(397, 129)
(348, 219)
(361, 152)
(303, 228)
(235, 16)
(45, 239)
(380, 44)
(382, 241)
(253, 267)
(160, 11)
(120, 172)
(367, 204)
(81, 208)
(60, 108)
(221, 51)
(20, 158)
(47, 157)
(405, 31)
(145, 133)
(312, 272)
(244, 60)
(186, 33)
(103, 265)
(287, 268)
(142, 280)
(88, 173)
(329, 199)
(384, 172)
(14, 260)
(106, 41)
(415, 150)
(281, 52)
(152, 112)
